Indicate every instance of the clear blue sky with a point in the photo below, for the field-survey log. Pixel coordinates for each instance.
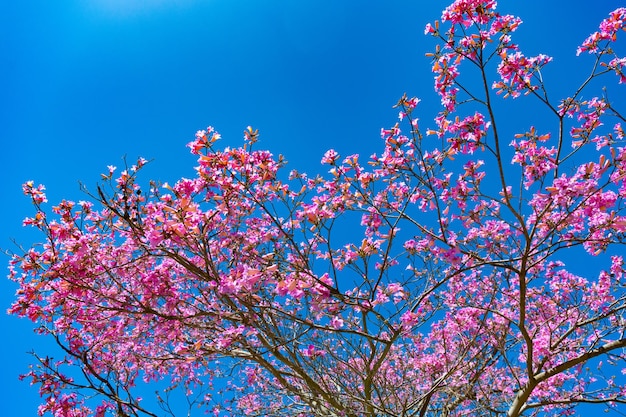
(85, 82)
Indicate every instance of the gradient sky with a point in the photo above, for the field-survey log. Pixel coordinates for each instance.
(87, 82)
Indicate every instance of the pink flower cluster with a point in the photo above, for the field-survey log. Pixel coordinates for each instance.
(517, 73)
(608, 32)
(599, 43)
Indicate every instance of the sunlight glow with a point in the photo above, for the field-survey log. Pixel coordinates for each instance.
(136, 8)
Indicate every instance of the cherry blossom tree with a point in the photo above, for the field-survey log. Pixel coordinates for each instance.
(433, 279)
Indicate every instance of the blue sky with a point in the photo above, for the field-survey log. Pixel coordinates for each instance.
(85, 83)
